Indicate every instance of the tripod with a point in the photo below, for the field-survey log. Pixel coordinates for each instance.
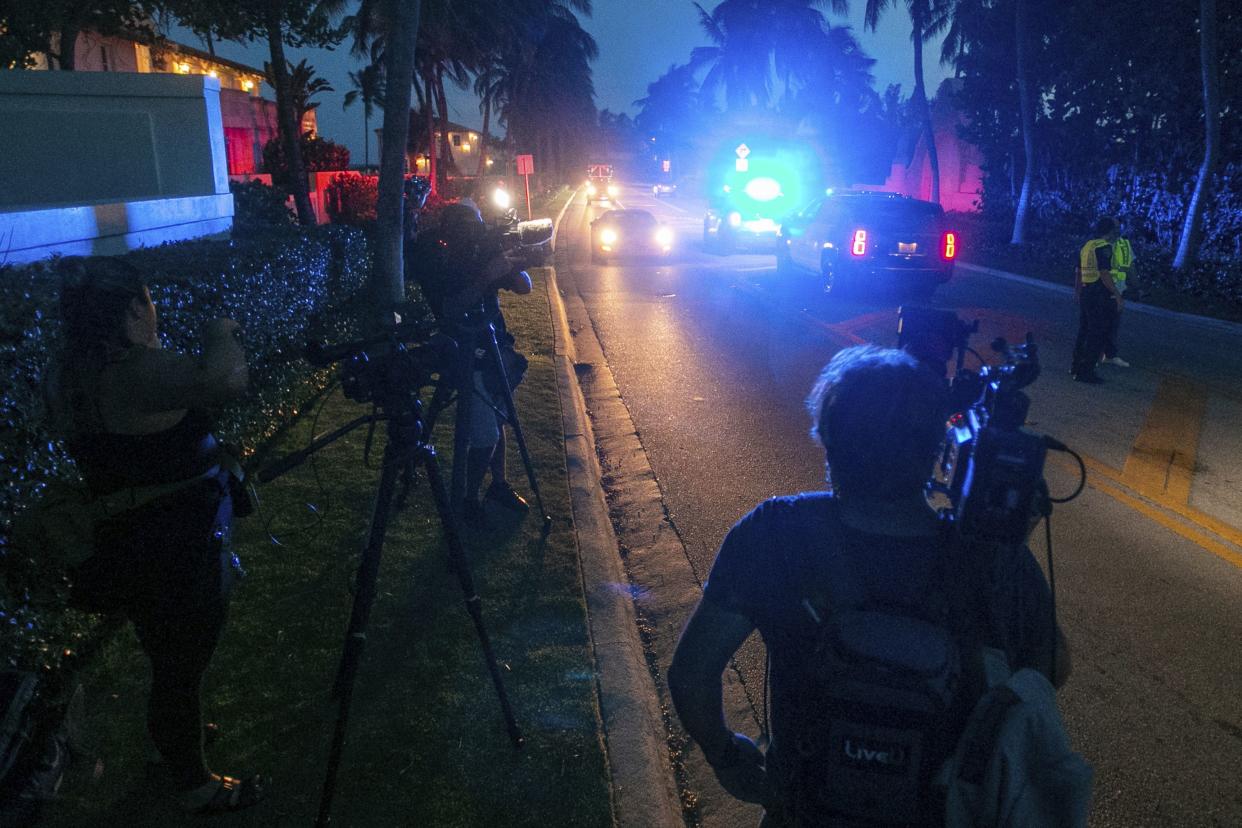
(477, 334)
(392, 382)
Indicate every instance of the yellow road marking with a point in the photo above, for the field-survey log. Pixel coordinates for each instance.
(1161, 464)
(1221, 550)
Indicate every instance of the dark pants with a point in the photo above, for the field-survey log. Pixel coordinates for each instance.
(168, 568)
(1097, 315)
(1110, 338)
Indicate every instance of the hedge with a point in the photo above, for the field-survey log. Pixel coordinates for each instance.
(282, 289)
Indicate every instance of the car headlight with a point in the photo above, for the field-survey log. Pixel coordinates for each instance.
(590, 189)
(608, 236)
(501, 198)
(664, 237)
(735, 219)
(613, 189)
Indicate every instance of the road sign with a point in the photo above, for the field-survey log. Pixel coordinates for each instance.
(741, 164)
(742, 150)
(666, 165)
(526, 165)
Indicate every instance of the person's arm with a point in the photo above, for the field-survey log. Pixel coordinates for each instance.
(1104, 264)
(710, 639)
(158, 380)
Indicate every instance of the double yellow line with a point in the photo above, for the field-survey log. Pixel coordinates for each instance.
(1159, 470)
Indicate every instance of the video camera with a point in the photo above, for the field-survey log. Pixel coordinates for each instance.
(992, 469)
(389, 366)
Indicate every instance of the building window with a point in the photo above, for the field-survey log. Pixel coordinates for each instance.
(103, 58)
(455, 137)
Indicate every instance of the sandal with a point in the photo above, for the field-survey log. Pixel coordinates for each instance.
(222, 794)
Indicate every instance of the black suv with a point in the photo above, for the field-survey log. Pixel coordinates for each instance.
(854, 239)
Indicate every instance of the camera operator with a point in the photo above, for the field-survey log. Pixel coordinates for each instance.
(460, 267)
(138, 417)
(880, 418)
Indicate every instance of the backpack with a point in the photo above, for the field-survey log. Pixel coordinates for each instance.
(882, 699)
(1013, 766)
(36, 735)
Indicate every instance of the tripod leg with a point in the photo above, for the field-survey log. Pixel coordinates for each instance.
(355, 636)
(474, 604)
(461, 428)
(512, 417)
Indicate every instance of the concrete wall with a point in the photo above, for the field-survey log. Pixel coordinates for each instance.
(104, 161)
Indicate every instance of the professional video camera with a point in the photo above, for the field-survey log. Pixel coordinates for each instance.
(993, 468)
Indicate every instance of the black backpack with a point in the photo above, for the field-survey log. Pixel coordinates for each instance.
(881, 699)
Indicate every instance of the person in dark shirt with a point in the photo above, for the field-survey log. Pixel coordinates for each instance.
(1099, 300)
(460, 267)
(879, 416)
(136, 415)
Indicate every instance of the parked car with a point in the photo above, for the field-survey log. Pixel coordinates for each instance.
(853, 239)
(629, 233)
(663, 188)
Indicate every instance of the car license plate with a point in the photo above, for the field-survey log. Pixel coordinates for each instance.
(907, 247)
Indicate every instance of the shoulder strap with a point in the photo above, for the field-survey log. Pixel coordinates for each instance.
(115, 503)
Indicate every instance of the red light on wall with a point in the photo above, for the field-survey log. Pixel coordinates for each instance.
(950, 245)
(860, 243)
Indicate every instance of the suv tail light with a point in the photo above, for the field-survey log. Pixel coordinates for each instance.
(859, 248)
(949, 248)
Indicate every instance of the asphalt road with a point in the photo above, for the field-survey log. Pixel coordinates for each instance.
(714, 355)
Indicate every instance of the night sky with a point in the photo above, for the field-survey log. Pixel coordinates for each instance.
(638, 40)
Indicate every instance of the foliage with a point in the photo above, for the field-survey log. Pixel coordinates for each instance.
(303, 85)
(258, 209)
(28, 28)
(350, 198)
(318, 155)
(281, 288)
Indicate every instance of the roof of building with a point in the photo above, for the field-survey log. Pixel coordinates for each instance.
(182, 49)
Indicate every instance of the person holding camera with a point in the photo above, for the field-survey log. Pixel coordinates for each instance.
(879, 416)
(137, 418)
(460, 267)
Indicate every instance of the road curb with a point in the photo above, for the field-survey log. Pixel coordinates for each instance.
(1131, 307)
(644, 792)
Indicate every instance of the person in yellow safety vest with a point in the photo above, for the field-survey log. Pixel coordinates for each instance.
(1123, 264)
(1099, 301)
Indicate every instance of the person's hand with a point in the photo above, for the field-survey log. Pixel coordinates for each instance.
(741, 772)
(220, 329)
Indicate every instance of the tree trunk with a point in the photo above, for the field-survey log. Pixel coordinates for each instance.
(487, 116)
(433, 165)
(68, 57)
(446, 156)
(920, 94)
(1027, 106)
(366, 136)
(290, 134)
(388, 278)
(1192, 229)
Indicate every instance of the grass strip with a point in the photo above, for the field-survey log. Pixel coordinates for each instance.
(426, 744)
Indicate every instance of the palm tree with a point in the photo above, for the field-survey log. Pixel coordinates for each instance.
(302, 85)
(740, 58)
(925, 23)
(368, 85)
(1192, 228)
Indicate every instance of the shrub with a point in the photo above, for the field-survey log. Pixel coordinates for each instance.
(351, 197)
(318, 155)
(282, 288)
(259, 209)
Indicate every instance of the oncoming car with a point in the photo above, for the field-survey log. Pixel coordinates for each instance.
(852, 240)
(599, 184)
(629, 233)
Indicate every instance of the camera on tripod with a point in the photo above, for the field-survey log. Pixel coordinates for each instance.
(400, 361)
(992, 469)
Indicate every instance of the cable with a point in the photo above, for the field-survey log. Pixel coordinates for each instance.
(1056, 445)
(1052, 588)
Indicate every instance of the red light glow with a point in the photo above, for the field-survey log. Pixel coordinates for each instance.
(860, 243)
(950, 245)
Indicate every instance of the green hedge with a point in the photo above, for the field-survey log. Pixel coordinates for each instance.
(283, 288)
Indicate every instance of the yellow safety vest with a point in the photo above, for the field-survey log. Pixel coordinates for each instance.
(1123, 259)
(1086, 261)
